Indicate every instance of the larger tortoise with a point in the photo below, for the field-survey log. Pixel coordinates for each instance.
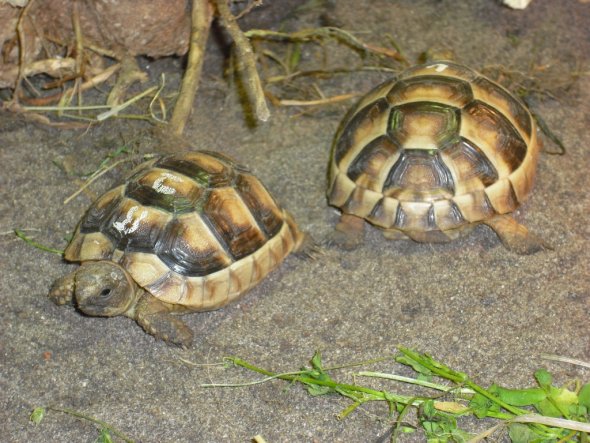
(431, 154)
(186, 232)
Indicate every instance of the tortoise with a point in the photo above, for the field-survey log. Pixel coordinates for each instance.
(431, 154)
(186, 232)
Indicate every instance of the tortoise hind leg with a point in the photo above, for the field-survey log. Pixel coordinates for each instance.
(156, 319)
(304, 244)
(349, 232)
(515, 237)
(308, 248)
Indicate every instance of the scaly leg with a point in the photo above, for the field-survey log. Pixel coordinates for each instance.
(516, 237)
(155, 318)
(349, 232)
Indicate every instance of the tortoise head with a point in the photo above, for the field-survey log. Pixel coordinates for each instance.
(104, 289)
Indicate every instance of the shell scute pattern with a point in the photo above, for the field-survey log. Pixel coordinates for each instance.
(193, 229)
(448, 90)
(189, 247)
(489, 92)
(260, 203)
(232, 221)
(434, 150)
(366, 125)
(101, 209)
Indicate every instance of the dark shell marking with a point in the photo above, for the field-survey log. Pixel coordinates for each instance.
(195, 229)
(435, 150)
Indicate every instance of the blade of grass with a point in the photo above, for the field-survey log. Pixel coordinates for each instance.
(82, 416)
(553, 422)
(20, 234)
(572, 361)
(415, 381)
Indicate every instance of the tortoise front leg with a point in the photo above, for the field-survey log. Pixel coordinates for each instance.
(155, 318)
(516, 237)
(62, 291)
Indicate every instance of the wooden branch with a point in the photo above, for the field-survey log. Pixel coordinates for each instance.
(201, 17)
(246, 62)
(21, 51)
(79, 51)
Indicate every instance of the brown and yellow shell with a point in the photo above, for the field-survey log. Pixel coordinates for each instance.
(435, 150)
(193, 229)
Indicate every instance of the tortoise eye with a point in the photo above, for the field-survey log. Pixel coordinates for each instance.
(105, 292)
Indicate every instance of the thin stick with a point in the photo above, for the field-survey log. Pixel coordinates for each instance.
(322, 101)
(201, 17)
(554, 422)
(327, 73)
(42, 119)
(326, 32)
(21, 50)
(9, 74)
(89, 84)
(93, 179)
(79, 50)
(246, 62)
(64, 108)
(573, 361)
(160, 101)
(249, 8)
(101, 77)
(130, 73)
(91, 47)
(116, 109)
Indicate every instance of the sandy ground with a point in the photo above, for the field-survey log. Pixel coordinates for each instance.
(471, 303)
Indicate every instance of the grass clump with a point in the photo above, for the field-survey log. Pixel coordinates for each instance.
(544, 413)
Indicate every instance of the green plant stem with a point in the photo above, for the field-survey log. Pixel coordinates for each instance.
(377, 395)
(82, 416)
(20, 234)
(414, 381)
(462, 378)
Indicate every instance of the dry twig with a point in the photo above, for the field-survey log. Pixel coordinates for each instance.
(202, 15)
(249, 8)
(99, 174)
(306, 35)
(21, 50)
(130, 73)
(246, 62)
(319, 102)
(12, 75)
(79, 52)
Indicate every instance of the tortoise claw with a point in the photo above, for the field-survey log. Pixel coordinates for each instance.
(309, 248)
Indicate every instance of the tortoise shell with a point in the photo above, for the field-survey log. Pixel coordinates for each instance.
(438, 149)
(193, 229)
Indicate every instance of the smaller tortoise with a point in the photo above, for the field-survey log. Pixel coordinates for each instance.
(186, 232)
(431, 154)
